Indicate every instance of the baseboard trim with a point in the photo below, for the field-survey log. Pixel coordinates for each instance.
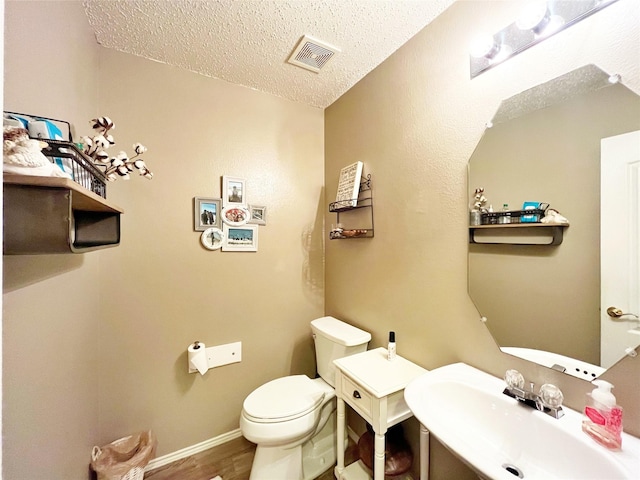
(192, 450)
(207, 444)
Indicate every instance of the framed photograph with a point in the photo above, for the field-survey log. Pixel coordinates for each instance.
(212, 238)
(235, 216)
(207, 213)
(233, 191)
(240, 239)
(257, 214)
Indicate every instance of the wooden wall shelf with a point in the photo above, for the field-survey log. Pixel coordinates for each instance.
(46, 215)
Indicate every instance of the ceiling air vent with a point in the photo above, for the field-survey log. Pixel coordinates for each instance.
(312, 54)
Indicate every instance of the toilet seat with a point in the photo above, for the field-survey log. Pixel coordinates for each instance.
(283, 399)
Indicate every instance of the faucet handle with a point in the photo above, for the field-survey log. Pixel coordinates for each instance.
(551, 396)
(514, 379)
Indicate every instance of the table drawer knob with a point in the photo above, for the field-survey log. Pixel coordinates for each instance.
(356, 394)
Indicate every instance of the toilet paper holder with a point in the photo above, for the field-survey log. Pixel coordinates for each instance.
(201, 358)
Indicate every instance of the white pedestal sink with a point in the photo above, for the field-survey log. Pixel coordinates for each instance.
(502, 439)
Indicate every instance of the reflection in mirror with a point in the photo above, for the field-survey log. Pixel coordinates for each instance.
(543, 302)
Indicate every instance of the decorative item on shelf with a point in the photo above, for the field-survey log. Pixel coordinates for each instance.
(354, 232)
(554, 216)
(479, 199)
(505, 215)
(477, 206)
(39, 127)
(532, 217)
(23, 155)
(349, 184)
(120, 165)
(336, 231)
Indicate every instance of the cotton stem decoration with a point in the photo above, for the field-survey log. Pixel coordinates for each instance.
(120, 165)
(479, 200)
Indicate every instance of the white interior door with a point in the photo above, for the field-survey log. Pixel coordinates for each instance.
(620, 244)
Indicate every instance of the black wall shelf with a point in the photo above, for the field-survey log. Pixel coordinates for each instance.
(364, 201)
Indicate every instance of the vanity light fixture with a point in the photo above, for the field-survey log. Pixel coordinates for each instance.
(539, 20)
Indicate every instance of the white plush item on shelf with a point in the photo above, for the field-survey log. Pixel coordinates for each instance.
(23, 155)
(553, 216)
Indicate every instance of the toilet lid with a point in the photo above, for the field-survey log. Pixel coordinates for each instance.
(284, 398)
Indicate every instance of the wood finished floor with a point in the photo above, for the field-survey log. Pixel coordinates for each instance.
(231, 460)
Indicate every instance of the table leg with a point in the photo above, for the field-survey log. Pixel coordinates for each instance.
(340, 429)
(378, 463)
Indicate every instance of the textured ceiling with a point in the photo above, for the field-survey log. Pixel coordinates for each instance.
(248, 42)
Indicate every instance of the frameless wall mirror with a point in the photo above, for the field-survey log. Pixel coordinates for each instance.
(543, 303)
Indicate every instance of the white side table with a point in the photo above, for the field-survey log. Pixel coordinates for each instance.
(374, 387)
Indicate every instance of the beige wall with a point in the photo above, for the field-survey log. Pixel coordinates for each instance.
(51, 304)
(540, 296)
(109, 329)
(164, 290)
(414, 122)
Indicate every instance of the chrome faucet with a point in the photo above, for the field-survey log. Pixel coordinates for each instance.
(548, 400)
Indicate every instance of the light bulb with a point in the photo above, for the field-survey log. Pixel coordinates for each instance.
(484, 47)
(556, 22)
(502, 54)
(615, 78)
(534, 17)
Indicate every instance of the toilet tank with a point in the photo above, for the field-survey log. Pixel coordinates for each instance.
(335, 339)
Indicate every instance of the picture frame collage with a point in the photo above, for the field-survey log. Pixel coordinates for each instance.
(229, 223)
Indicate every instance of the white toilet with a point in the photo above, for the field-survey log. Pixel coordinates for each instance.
(293, 419)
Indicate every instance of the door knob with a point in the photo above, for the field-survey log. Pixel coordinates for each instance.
(615, 312)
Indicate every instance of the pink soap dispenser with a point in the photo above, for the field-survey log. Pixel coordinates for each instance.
(602, 417)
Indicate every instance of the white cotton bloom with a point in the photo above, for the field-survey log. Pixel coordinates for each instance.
(123, 172)
(102, 123)
(100, 142)
(91, 151)
(117, 162)
(139, 148)
(102, 156)
(139, 164)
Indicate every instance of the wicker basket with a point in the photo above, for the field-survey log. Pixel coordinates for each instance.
(81, 168)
